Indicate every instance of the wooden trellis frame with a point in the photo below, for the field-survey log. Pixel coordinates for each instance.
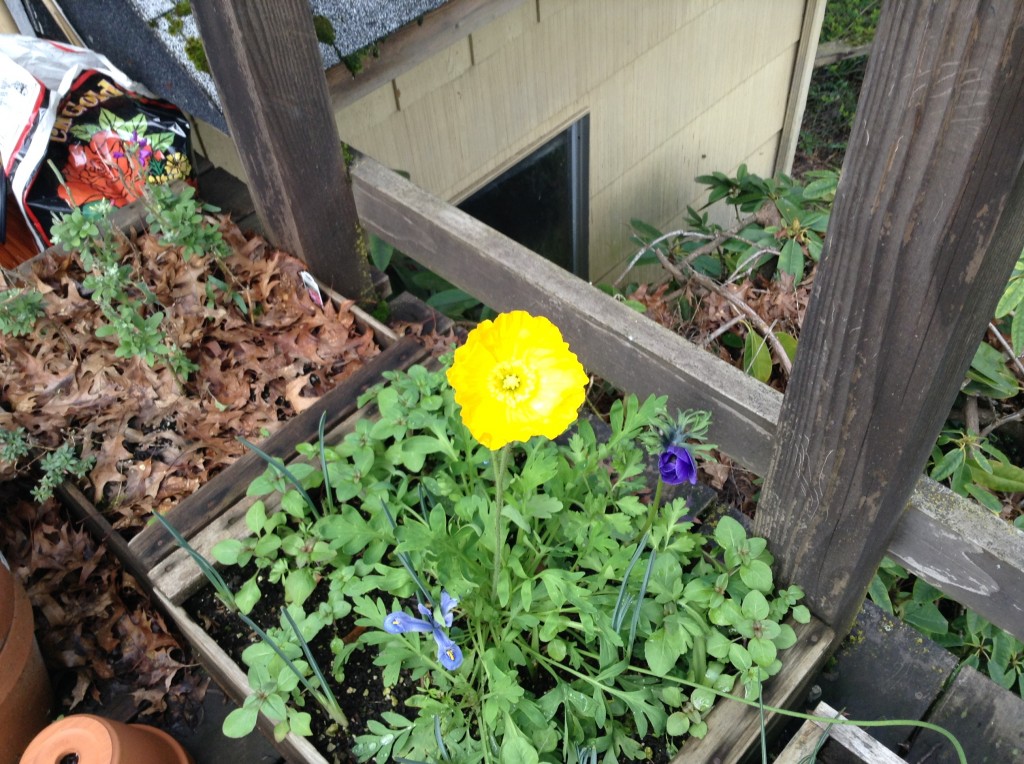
(927, 224)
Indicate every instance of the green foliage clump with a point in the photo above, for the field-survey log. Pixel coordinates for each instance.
(853, 21)
(609, 619)
(19, 311)
(324, 30)
(127, 304)
(197, 54)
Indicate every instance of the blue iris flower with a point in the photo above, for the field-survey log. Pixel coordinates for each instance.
(448, 653)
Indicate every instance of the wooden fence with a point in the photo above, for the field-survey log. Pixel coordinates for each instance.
(927, 224)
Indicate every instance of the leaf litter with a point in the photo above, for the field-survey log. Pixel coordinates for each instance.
(156, 439)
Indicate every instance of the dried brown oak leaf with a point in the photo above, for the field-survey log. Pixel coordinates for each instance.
(155, 438)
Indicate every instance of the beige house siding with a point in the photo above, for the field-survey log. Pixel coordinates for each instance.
(674, 89)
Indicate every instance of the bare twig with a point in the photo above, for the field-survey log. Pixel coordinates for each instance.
(1014, 417)
(722, 330)
(1007, 349)
(714, 242)
(971, 414)
(736, 302)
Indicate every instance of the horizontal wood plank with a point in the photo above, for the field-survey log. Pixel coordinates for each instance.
(815, 642)
(637, 355)
(854, 739)
(985, 718)
(963, 549)
(154, 543)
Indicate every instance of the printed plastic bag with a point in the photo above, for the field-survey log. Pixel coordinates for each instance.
(107, 135)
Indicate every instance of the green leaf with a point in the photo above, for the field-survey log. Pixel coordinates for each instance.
(949, 462)
(515, 748)
(763, 651)
(926, 617)
(1017, 332)
(226, 552)
(879, 594)
(757, 359)
(989, 375)
(298, 585)
(1004, 477)
(791, 260)
(240, 722)
(729, 533)
(380, 252)
(248, 595)
(755, 606)
(661, 653)
(757, 575)
(1012, 297)
(788, 342)
(801, 614)
(677, 724)
(985, 498)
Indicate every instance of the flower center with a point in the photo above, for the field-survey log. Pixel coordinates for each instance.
(511, 382)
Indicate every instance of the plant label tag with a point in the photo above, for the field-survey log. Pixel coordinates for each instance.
(312, 288)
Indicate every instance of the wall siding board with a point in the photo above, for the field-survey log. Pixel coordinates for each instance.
(474, 109)
(499, 33)
(433, 74)
(659, 186)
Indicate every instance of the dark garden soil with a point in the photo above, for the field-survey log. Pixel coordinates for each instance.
(363, 696)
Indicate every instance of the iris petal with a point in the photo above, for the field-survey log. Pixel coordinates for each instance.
(399, 623)
(448, 653)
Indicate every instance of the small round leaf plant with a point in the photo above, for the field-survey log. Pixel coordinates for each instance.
(514, 570)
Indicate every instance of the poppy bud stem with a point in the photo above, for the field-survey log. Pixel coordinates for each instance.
(500, 463)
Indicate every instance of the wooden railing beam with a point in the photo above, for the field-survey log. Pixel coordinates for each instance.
(266, 62)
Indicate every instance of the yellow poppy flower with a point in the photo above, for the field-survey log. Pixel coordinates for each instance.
(514, 378)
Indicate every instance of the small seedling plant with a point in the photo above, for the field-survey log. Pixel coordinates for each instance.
(133, 318)
(543, 596)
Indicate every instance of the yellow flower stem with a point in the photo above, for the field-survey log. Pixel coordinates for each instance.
(500, 461)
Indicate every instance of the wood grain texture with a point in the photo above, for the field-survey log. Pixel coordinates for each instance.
(986, 719)
(960, 547)
(265, 60)
(927, 224)
(734, 728)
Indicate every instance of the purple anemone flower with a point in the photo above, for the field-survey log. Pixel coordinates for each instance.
(677, 466)
(448, 653)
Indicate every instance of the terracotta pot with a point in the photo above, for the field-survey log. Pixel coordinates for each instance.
(94, 740)
(25, 695)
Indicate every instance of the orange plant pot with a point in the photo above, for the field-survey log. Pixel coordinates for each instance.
(25, 695)
(95, 740)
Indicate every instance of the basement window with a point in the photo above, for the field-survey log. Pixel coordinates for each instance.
(543, 201)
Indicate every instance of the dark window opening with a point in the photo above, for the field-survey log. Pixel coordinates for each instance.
(542, 202)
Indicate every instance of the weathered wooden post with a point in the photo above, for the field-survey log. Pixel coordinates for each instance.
(269, 74)
(927, 224)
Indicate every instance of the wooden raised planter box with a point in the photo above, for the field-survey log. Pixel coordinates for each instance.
(734, 728)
